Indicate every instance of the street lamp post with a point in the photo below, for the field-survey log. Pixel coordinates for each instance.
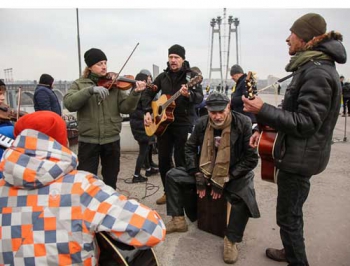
(79, 57)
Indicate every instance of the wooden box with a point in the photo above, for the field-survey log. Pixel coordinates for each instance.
(212, 214)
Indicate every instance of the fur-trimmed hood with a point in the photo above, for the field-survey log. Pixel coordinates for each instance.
(331, 44)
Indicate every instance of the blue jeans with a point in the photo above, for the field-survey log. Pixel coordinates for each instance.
(293, 191)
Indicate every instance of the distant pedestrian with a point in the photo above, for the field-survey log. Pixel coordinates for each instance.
(239, 77)
(45, 98)
(346, 98)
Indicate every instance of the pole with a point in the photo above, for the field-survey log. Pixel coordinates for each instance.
(345, 138)
(79, 56)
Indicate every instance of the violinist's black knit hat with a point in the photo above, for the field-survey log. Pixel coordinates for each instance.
(94, 56)
(46, 79)
(177, 49)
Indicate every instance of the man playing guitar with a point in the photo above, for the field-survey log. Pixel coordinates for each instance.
(173, 139)
(305, 125)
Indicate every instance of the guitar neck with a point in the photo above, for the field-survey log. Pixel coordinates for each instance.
(171, 99)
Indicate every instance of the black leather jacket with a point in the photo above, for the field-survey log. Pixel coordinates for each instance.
(308, 116)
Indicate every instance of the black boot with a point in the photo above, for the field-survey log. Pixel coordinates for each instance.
(139, 179)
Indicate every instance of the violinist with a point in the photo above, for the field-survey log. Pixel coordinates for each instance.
(99, 116)
(6, 126)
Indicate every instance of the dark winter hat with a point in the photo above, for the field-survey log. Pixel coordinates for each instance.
(94, 56)
(217, 101)
(177, 49)
(145, 71)
(141, 77)
(46, 79)
(308, 26)
(2, 85)
(236, 69)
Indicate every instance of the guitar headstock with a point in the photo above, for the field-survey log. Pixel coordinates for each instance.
(251, 84)
(194, 81)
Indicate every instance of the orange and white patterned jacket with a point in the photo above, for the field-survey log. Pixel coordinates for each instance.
(50, 212)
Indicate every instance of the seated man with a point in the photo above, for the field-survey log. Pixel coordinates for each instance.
(50, 212)
(217, 154)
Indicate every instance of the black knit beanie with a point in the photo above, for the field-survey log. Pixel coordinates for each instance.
(46, 79)
(177, 49)
(308, 26)
(141, 77)
(236, 69)
(94, 56)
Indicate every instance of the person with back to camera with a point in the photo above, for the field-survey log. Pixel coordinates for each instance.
(50, 212)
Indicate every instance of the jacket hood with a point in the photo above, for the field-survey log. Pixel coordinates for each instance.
(35, 160)
(330, 44)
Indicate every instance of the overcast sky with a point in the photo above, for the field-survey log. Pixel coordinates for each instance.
(36, 41)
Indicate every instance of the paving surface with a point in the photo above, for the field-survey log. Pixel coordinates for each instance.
(326, 215)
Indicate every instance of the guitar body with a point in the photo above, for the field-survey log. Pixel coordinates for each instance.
(266, 147)
(114, 253)
(161, 117)
(163, 110)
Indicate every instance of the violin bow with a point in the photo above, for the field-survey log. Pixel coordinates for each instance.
(118, 74)
(127, 60)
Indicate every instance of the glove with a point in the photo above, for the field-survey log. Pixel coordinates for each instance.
(102, 91)
(201, 181)
(216, 189)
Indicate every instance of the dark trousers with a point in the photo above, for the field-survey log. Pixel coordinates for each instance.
(181, 197)
(346, 105)
(143, 157)
(90, 154)
(293, 191)
(172, 142)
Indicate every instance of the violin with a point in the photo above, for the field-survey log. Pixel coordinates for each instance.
(122, 83)
(8, 114)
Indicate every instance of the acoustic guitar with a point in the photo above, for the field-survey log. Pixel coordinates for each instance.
(114, 253)
(266, 141)
(163, 110)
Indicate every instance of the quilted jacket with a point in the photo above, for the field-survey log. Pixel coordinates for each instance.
(50, 212)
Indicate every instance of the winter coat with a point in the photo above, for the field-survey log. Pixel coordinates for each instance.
(99, 122)
(50, 212)
(236, 98)
(309, 113)
(346, 90)
(46, 99)
(137, 124)
(184, 110)
(243, 158)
